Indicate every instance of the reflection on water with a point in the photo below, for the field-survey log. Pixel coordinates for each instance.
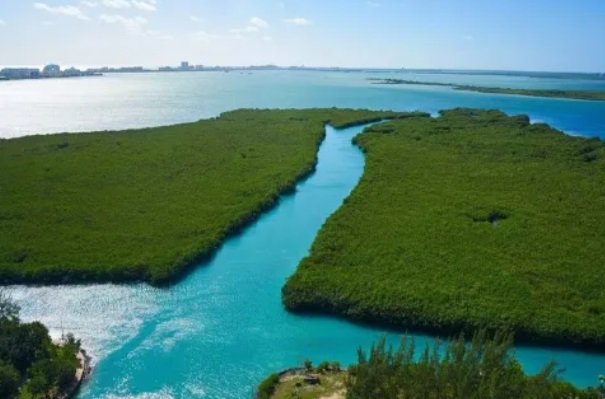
(119, 101)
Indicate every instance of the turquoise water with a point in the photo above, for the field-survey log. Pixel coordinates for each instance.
(223, 328)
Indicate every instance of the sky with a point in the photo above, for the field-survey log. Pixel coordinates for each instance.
(538, 35)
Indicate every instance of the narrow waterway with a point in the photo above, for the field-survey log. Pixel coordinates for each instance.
(223, 328)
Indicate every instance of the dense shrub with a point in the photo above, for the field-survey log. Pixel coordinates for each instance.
(467, 220)
(145, 204)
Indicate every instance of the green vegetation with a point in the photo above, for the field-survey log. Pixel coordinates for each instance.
(330, 385)
(266, 389)
(468, 220)
(483, 368)
(592, 95)
(324, 381)
(31, 366)
(146, 204)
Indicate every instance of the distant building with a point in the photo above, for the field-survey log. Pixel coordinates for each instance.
(51, 71)
(186, 67)
(72, 72)
(20, 73)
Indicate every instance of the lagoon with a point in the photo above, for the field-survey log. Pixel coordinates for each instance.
(217, 333)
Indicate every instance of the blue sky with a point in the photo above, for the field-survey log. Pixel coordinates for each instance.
(552, 35)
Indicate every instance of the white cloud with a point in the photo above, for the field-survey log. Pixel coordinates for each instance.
(267, 38)
(259, 22)
(300, 21)
(145, 5)
(373, 3)
(132, 24)
(2, 22)
(196, 19)
(116, 3)
(468, 38)
(88, 3)
(70, 11)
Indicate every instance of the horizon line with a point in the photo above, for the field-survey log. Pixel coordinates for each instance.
(322, 67)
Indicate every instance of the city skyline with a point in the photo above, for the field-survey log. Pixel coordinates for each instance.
(541, 36)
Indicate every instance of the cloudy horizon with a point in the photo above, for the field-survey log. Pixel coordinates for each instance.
(542, 36)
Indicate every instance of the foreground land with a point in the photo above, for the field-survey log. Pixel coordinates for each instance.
(467, 220)
(592, 95)
(31, 365)
(483, 368)
(146, 204)
(322, 382)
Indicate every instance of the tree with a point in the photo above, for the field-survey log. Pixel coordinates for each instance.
(23, 344)
(485, 367)
(8, 309)
(308, 365)
(9, 380)
(27, 355)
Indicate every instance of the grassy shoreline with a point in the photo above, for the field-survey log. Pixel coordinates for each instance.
(470, 220)
(587, 95)
(327, 380)
(149, 204)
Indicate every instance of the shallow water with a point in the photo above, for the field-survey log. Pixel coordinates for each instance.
(119, 101)
(217, 333)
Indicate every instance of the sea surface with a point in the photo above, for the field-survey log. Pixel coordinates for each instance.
(120, 101)
(217, 333)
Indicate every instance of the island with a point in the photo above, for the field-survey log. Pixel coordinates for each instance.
(470, 219)
(591, 95)
(147, 204)
(485, 366)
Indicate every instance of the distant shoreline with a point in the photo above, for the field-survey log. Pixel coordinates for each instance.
(587, 95)
(98, 71)
(6, 79)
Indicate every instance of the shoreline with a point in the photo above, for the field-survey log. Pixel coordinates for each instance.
(3, 79)
(82, 373)
(583, 95)
(522, 338)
